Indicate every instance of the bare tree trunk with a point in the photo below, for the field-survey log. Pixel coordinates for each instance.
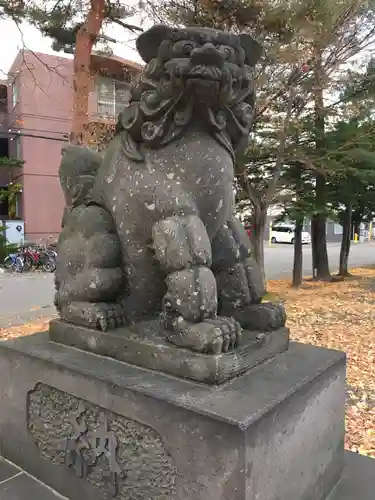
(259, 218)
(319, 248)
(261, 201)
(318, 224)
(357, 228)
(85, 41)
(298, 255)
(345, 241)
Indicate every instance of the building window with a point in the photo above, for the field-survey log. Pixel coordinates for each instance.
(112, 97)
(18, 204)
(3, 99)
(15, 92)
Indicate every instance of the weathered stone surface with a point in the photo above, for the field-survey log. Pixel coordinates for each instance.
(144, 345)
(25, 487)
(122, 457)
(150, 229)
(275, 433)
(88, 273)
(357, 483)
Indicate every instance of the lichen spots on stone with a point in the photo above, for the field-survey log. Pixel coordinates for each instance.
(111, 177)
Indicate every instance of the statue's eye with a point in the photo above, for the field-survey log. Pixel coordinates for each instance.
(183, 48)
(188, 48)
(227, 53)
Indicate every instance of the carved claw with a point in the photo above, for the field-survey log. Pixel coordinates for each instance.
(110, 316)
(212, 336)
(99, 316)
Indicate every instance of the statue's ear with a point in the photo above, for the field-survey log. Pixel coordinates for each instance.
(253, 49)
(148, 43)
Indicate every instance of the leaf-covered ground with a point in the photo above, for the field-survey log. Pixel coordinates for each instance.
(341, 315)
(13, 332)
(338, 315)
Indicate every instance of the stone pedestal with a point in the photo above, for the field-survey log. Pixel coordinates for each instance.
(144, 345)
(92, 427)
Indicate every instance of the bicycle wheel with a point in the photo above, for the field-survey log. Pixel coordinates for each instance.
(19, 265)
(8, 262)
(27, 263)
(49, 265)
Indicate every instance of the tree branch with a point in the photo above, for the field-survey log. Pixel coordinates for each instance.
(270, 190)
(127, 26)
(30, 68)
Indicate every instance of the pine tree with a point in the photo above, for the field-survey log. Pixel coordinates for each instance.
(77, 26)
(306, 43)
(12, 9)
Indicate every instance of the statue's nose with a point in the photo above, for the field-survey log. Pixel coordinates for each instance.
(207, 55)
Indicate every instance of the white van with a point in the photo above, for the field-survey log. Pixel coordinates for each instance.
(284, 233)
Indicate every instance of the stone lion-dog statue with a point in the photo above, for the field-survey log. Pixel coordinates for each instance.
(148, 231)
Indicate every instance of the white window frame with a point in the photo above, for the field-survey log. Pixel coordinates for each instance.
(18, 204)
(17, 140)
(111, 100)
(15, 92)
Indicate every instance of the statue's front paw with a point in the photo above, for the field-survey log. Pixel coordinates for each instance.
(109, 316)
(261, 317)
(211, 336)
(99, 316)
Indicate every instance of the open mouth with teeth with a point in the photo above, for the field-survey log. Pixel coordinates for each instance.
(205, 73)
(207, 82)
(203, 78)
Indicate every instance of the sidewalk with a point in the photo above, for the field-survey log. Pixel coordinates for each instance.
(15, 484)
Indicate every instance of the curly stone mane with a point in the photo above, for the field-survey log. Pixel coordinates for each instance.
(162, 107)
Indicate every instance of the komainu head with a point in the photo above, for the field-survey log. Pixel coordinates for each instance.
(192, 74)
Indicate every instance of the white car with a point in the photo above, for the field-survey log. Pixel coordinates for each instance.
(285, 234)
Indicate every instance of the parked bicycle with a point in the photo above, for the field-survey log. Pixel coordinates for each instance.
(14, 261)
(39, 256)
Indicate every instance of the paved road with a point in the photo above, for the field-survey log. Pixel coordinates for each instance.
(25, 297)
(279, 258)
(28, 297)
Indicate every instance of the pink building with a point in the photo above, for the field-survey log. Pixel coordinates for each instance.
(35, 120)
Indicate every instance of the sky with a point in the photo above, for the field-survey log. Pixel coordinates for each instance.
(30, 38)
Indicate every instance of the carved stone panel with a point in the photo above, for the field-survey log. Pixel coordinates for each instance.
(123, 457)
